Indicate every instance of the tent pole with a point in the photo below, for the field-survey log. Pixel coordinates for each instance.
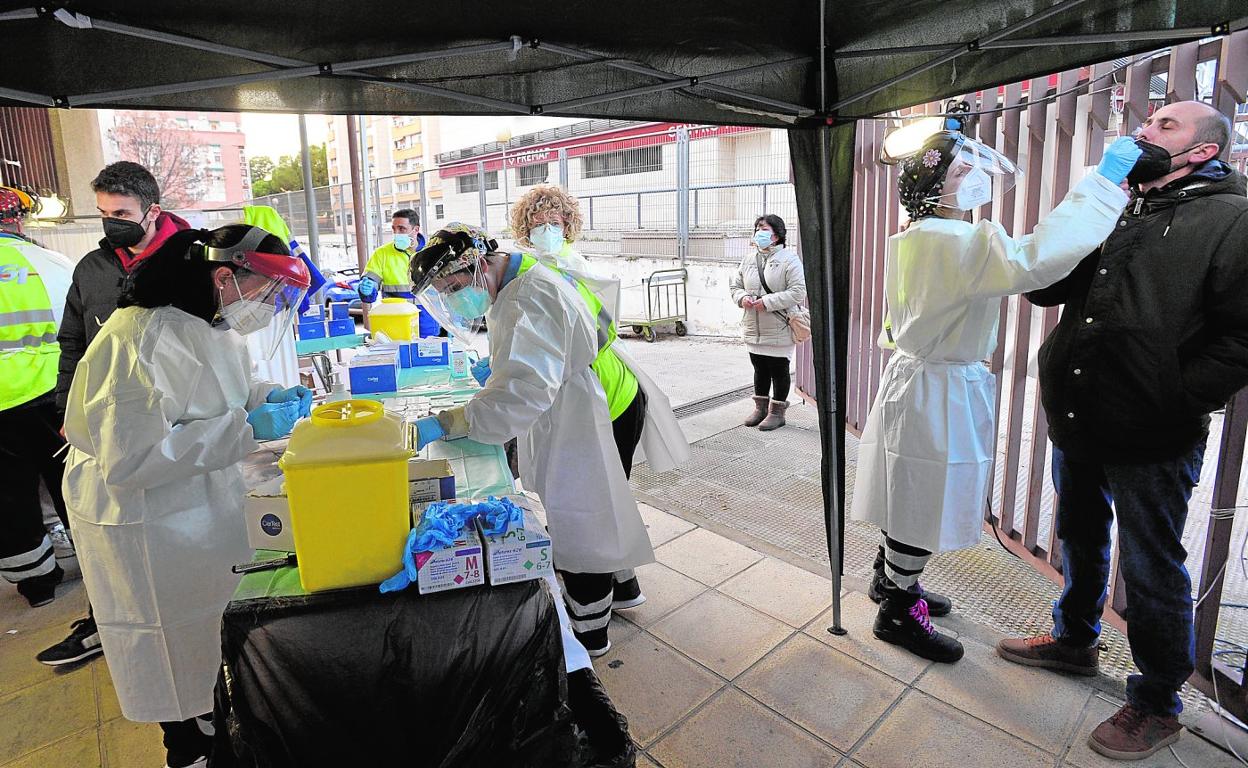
(833, 474)
(481, 101)
(357, 196)
(309, 194)
(28, 97)
(959, 50)
(1036, 42)
(20, 13)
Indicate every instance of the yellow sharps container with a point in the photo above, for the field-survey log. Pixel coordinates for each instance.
(346, 483)
(399, 319)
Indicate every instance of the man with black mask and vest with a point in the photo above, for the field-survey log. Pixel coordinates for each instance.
(128, 198)
(1153, 338)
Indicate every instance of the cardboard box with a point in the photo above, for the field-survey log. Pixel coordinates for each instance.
(268, 517)
(340, 310)
(342, 327)
(374, 371)
(429, 480)
(312, 329)
(521, 552)
(455, 567)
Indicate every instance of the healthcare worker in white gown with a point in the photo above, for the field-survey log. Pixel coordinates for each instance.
(927, 447)
(161, 413)
(560, 383)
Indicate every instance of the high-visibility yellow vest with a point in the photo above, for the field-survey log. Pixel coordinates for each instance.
(618, 382)
(28, 349)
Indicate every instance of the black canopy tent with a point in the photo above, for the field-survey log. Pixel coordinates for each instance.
(811, 67)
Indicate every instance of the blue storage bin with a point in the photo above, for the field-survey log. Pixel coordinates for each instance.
(342, 327)
(428, 352)
(312, 330)
(406, 354)
(340, 310)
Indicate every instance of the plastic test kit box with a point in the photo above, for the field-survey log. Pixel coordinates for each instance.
(429, 480)
(521, 552)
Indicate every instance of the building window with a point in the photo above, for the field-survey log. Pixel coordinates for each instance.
(638, 160)
(528, 175)
(439, 211)
(468, 182)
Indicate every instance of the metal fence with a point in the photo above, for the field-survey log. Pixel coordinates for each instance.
(656, 192)
(1061, 127)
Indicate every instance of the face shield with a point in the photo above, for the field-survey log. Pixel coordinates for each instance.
(265, 290)
(449, 278)
(955, 172)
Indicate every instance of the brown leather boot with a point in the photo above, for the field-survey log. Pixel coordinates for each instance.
(775, 416)
(760, 411)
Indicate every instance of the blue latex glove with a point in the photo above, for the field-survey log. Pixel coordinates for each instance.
(368, 289)
(481, 370)
(1119, 159)
(428, 429)
(273, 420)
(296, 394)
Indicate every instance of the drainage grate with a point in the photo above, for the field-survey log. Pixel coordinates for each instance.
(714, 401)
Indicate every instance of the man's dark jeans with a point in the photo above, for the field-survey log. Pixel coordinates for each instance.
(1151, 503)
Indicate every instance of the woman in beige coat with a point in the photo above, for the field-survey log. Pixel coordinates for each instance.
(765, 298)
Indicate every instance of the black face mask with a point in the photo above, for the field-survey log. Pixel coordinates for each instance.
(1154, 163)
(123, 233)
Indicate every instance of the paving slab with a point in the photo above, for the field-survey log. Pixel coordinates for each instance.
(131, 744)
(45, 713)
(721, 633)
(78, 750)
(708, 557)
(18, 668)
(834, 696)
(1036, 705)
(661, 526)
(734, 731)
(653, 685)
(925, 732)
(665, 591)
(783, 591)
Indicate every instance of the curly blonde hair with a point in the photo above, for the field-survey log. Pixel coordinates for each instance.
(540, 199)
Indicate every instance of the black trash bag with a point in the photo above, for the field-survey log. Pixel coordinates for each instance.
(470, 677)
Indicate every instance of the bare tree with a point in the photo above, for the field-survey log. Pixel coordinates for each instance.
(156, 143)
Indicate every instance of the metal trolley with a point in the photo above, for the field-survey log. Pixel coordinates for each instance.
(666, 303)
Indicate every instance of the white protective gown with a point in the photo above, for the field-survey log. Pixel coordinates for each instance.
(157, 420)
(927, 448)
(542, 391)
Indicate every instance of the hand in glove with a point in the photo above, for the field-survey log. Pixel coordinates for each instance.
(296, 394)
(428, 429)
(481, 370)
(273, 420)
(1119, 159)
(367, 288)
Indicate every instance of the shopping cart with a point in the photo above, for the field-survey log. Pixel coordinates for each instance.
(666, 304)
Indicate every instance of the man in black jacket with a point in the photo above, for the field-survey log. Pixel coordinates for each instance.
(1153, 338)
(128, 197)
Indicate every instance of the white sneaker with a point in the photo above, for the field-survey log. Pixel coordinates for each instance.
(596, 652)
(201, 762)
(62, 542)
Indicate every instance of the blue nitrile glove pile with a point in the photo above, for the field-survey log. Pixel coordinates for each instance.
(441, 525)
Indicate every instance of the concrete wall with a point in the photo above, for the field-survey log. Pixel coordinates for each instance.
(77, 132)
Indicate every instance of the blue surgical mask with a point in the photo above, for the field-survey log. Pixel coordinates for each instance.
(470, 302)
(762, 238)
(547, 238)
(402, 242)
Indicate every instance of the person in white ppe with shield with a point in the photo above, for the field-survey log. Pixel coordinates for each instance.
(160, 415)
(578, 404)
(927, 448)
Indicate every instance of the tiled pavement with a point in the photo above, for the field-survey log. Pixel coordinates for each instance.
(727, 664)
